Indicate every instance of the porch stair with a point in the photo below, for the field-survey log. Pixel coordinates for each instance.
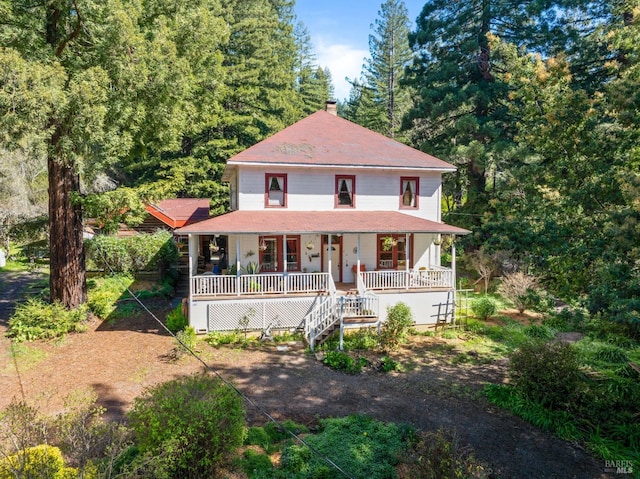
(182, 283)
(339, 313)
(326, 333)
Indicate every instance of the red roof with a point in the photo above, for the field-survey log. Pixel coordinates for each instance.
(177, 212)
(323, 222)
(324, 139)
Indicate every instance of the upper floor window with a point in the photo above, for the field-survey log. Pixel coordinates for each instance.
(409, 191)
(345, 195)
(275, 194)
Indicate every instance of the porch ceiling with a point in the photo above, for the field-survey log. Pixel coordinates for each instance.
(317, 222)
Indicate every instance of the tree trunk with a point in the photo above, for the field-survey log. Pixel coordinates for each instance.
(67, 278)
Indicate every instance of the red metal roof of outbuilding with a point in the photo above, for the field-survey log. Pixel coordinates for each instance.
(322, 222)
(323, 139)
(177, 212)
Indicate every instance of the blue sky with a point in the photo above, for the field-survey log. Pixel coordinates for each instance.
(340, 31)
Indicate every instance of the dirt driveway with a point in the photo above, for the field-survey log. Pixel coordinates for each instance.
(119, 360)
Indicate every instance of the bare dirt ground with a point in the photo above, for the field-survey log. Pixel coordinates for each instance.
(119, 360)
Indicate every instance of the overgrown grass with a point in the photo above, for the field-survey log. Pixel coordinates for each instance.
(603, 411)
(360, 445)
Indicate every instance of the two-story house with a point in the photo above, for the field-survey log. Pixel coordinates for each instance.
(330, 224)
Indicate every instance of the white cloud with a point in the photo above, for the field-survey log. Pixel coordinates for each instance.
(343, 60)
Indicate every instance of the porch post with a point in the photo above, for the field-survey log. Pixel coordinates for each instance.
(358, 277)
(284, 252)
(238, 265)
(453, 260)
(284, 268)
(453, 274)
(190, 270)
(407, 259)
(329, 266)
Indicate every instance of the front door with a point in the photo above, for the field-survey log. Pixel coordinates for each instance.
(335, 255)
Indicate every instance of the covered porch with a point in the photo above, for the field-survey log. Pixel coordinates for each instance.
(211, 286)
(308, 256)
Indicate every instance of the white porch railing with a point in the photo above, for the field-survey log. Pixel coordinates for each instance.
(320, 319)
(412, 279)
(252, 284)
(358, 306)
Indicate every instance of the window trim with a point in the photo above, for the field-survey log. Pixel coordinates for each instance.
(279, 253)
(416, 193)
(338, 179)
(267, 183)
(394, 251)
(298, 263)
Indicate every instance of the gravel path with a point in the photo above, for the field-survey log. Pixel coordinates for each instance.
(12, 286)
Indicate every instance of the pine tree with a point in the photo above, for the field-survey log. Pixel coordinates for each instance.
(313, 82)
(94, 82)
(381, 101)
(460, 113)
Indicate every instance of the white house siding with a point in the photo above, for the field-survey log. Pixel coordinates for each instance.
(313, 189)
(426, 253)
(425, 306)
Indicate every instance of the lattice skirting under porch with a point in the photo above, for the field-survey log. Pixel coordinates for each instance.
(258, 315)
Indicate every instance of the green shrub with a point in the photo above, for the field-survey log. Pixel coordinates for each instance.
(341, 361)
(484, 307)
(42, 462)
(560, 422)
(141, 252)
(87, 441)
(538, 331)
(395, 329)
(387, 365)
(256, 465)
(546, 372)
(189, 425)
(538, 300)
(36, 319)
(361, 339)
(104, 292)
(360, 445)
(355, 340)
(257, 436)
(186, 340)
(219, 338)
(272, 434)
(597, 353)
(559, 322)
(177, 320)
(438, 455)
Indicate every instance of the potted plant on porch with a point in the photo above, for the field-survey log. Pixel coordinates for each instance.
(388, 242)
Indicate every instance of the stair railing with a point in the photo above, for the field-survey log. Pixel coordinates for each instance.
(322, 317)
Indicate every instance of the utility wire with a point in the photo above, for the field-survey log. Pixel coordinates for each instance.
(228, 383)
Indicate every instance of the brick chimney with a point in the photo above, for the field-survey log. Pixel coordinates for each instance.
(331, 107)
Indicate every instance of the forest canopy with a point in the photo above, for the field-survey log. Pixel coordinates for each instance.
(113, 102)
